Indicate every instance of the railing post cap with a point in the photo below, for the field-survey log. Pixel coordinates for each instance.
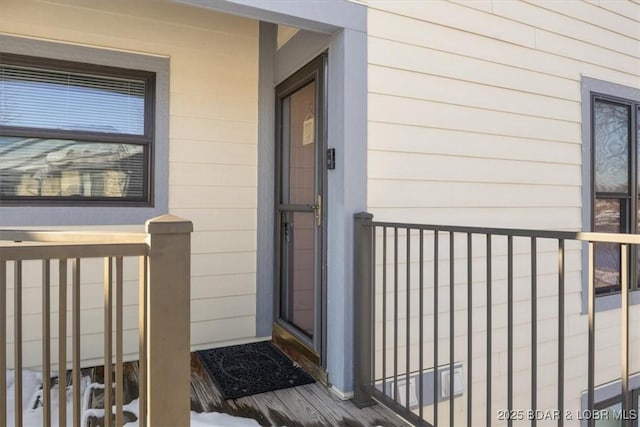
(364, 215)
(168, 224)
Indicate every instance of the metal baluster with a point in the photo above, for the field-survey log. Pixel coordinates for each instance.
(395, 314)
(534, 328)
(469, 327)
(435, 328)
(510, 328)
(373, 311)
(592, 330)
(451, 323)
(489, 331)
(624, 344)
(421, 328)
(384, 310)
(561, 331)
(408, 355)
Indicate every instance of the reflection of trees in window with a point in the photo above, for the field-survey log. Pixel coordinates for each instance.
(71, 131)
(53, 168)
(615, 188)
(611, 133)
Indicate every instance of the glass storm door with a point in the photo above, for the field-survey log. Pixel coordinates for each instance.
(299, 204)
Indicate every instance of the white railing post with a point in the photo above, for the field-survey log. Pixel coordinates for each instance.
(168, 321)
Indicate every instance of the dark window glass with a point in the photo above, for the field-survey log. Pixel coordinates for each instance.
(611, 140)
(53, 168)
(607, 255)
(638, 147)
(614, 416)
(71, 131)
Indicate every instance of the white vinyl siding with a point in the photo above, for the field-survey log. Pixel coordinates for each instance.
(213, 150)
(475, 119)
(486, 97)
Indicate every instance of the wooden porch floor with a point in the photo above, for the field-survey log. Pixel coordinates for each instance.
(310, 405)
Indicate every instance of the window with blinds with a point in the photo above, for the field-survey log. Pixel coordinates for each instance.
(73, 132)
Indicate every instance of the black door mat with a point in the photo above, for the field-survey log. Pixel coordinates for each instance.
(246, 369)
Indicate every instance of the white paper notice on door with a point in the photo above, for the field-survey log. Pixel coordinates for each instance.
(308, 130)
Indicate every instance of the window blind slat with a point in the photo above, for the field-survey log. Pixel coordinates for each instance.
(51, 99)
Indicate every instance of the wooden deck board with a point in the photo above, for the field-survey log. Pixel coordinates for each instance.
(305, 412)
(341, 414)
(310, 405)
(335, 413)
(274, 409)
(377, 415)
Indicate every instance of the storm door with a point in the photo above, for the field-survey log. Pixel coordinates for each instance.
(300, 210)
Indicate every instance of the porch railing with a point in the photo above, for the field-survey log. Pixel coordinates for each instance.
(486, 326)
(162, 255)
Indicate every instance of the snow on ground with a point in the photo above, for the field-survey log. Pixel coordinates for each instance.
(33, 414)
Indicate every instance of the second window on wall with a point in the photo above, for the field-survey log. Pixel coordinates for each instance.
(615, 184)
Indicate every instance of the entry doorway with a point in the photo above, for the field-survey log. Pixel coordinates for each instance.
(300, 216)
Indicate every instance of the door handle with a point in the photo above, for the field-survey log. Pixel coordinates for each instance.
(318, 210)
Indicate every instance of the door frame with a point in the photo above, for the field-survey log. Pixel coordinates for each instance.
(347, 125)
(312, 349)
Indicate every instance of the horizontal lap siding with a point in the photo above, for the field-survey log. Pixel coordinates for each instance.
(212, 150)
(477, 105)
(475, 119)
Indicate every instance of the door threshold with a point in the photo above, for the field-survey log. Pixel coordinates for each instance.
(308, 360)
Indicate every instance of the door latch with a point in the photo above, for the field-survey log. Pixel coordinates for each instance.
(286, 229)
(318, 210)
